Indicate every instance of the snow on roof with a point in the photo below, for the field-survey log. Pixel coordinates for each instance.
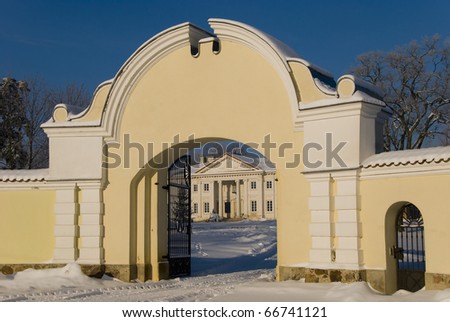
(260, 163)
(364, 86)
(283, 50)
(23, 175)
(416, 156)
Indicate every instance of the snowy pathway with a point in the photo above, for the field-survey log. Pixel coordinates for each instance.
(203, 288)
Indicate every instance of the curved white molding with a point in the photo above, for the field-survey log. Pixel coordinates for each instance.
(155, 49)
(87, 109)
(274, 51)
(318, 69)
(145, 56)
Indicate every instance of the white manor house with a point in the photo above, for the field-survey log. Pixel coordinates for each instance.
(233, 186)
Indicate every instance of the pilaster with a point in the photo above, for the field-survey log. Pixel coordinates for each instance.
(91, 224)
(66, 221)
(320, 227)
(348, 230)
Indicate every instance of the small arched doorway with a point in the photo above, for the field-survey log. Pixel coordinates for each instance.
(409, 250)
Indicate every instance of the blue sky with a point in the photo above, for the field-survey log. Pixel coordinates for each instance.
(87, 41)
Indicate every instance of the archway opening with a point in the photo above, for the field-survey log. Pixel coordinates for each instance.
(232, 210)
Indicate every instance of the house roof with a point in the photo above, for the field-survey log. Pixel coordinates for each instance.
(33, 175)
(260, 164)
(408, 157)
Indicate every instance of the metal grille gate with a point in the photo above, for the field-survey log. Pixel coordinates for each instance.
(179, 219)
(410, 251)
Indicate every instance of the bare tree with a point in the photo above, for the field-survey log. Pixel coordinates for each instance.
(415, 82)
(72, 94)
(24, 106)
(12, 123)
(39, 105)
(38, 109)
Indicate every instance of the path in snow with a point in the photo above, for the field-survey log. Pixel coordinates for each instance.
(224, 256)
(227, 247)
(192, 289)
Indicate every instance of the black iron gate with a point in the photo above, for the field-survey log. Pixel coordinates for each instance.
(179, 225)
(410, 251)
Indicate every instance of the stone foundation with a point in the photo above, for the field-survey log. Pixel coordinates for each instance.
(435, 281)
(376, 278)
(89, 270)
(314, 275)
(122, 272)
(126, 273)
(8, 269)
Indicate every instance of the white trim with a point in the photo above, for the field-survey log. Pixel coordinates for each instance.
(230, 174)
(333, 108)
(405, 171)
(25, 175)
(316, 68)
(146, 56)
(159, 46)
(404, 157)
(41, 185)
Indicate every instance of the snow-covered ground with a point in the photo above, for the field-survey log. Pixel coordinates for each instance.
(231, 262)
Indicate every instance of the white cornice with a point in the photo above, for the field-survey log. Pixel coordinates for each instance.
(406, 171)
(337, 108)
(41, 185)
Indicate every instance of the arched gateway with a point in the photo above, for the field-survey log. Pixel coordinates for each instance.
(103, 202)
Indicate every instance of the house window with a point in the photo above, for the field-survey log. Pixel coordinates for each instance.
(206, 187)
(195, 187)
(195, 210)
(253, 185)
(269, 205)
(206, 208)
(269, 184)
(254, 206)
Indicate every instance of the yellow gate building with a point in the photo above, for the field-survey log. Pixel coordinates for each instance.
(345, 211)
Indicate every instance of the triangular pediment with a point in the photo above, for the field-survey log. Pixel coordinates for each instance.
(226, 164)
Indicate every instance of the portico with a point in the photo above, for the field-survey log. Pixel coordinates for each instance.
(230, 188)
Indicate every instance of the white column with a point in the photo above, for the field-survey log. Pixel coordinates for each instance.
(221, 199)
(238, 198)
(261, 197)
(211, 191)
(227, 197)
(320, 227)
(274, 198)
(200, 198)
(247, 199)
(91, 225)
(66, 229)
(348, 227)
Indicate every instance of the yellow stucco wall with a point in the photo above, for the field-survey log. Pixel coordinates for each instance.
(430, 193)
(26, 230)
(234, 95)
